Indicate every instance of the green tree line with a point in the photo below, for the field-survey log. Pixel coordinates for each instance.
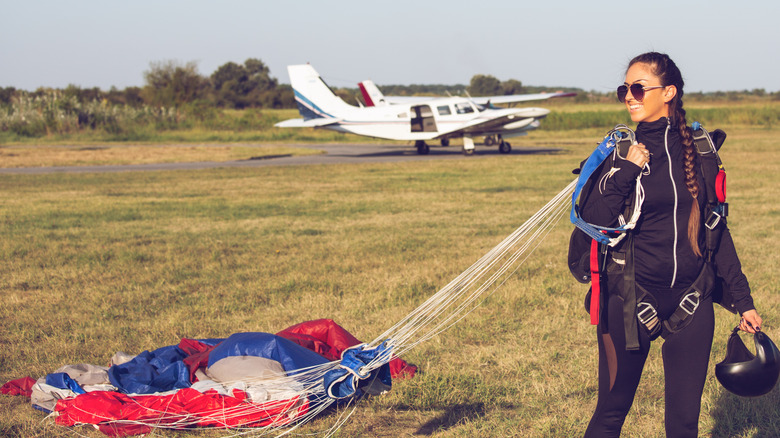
(250, 85)
(176, 96)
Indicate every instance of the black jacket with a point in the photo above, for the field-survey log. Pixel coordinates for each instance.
(664, 259)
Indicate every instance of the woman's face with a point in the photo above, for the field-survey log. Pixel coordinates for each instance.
(654, 105)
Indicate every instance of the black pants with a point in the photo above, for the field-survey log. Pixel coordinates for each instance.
(685, 357)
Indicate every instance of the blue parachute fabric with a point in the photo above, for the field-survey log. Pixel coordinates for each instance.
(602, 151)
(64, 381)
(345, 381)
(150, 372)
(290, 355)
(211, 341)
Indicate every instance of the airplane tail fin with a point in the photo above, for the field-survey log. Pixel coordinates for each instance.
(371, 94)
(313, 96)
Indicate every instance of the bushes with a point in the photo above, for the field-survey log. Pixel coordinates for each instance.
(58, 114)
(52, 113)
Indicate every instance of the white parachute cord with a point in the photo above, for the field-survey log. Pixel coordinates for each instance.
(639, 199)
(492, 283)
(402, 332)
(480, 289)
(468, 276)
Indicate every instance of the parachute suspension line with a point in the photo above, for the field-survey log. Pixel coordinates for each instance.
(455, 300)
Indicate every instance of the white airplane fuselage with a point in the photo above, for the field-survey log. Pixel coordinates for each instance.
(428, 121)
(418, 120)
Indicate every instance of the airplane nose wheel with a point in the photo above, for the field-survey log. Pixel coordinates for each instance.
(505, 147)
(422, 148)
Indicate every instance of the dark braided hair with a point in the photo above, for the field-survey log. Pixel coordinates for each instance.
(668, 73)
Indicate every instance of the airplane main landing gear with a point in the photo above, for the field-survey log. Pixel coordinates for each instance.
(445, 142)
(422, 148)
(468, 145)
(505, 147)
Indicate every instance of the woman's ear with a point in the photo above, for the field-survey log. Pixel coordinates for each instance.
(669, 93)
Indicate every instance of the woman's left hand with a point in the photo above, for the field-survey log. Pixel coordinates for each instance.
(750, 321)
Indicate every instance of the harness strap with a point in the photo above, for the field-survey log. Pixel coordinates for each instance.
(715, 183)
(681, 316)
(630, 324)
(647, 314)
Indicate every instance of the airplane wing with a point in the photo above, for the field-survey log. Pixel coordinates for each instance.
(512, 98)
(481, 100)
(510, 119)
(394, 100)
(374, 97)
(311, 123)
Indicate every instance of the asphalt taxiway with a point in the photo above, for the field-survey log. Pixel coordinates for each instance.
(333, 154)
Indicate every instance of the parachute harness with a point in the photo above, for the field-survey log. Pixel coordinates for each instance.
(615, 143)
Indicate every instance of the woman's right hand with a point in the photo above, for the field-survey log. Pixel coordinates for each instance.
(638, 154)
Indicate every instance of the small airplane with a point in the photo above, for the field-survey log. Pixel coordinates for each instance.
(417, 119)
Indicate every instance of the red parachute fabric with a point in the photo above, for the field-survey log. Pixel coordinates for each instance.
(198, 355)
(118, 414)
(21, 386)
(329, 339)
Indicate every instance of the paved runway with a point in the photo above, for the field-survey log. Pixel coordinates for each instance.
(334, 154)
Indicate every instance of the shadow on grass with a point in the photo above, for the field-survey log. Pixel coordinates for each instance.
(456, 151)
(452, 416)
(747, 416)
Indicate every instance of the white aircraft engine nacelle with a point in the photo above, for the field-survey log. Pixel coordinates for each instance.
(519, 124)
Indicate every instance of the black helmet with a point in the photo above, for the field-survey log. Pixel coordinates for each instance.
(745, 374)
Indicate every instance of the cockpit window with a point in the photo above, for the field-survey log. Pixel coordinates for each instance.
(464, 108)
(444, 110)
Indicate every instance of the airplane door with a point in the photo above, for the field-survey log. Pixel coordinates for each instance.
(422, 119)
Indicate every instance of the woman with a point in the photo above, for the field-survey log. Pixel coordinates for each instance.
(668, 242)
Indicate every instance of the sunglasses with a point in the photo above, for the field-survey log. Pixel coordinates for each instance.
(637, 90)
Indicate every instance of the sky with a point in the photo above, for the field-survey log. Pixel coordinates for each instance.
(719, 45)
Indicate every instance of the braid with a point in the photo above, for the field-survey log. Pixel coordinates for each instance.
(669, 74)
(691, 181)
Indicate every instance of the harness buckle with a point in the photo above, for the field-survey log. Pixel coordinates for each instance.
(713, 220)
(702, 140)
(646, 313)
(690, 301)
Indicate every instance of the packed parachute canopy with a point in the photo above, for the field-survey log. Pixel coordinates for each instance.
(247, 380)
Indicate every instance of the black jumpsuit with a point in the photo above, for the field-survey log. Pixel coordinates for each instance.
(665, 266)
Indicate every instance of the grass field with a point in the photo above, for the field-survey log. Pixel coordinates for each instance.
(100, 263)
